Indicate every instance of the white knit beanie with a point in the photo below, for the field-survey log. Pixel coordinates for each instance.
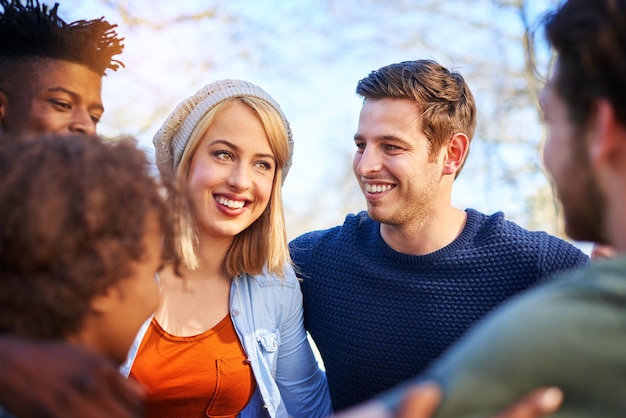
(171, 139)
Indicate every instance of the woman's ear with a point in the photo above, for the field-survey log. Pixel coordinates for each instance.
(456, 153)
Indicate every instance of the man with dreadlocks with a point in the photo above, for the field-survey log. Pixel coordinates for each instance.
(51, 71)
(50, 82)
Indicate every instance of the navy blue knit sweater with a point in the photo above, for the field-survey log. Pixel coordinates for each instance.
(379, 317)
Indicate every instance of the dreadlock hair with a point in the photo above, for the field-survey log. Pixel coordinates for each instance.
(33, 30)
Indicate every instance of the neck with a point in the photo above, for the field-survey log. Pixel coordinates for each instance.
(212, 254)
(92, 339)
(428, 236)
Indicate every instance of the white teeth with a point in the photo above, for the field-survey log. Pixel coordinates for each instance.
(233, 204)
(377, 188)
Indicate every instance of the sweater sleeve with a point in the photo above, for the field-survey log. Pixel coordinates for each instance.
(302, 383)
(301, 249)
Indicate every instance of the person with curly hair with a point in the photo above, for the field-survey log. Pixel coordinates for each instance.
(50, 81)
(73, 266)
(51, 71)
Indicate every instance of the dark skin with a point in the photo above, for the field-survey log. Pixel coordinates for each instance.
(63, 381)
(53, 96)
(56, 379)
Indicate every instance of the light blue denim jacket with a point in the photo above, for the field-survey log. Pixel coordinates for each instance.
(268, 317)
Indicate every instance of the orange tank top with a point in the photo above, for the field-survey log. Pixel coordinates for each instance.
(206, 375)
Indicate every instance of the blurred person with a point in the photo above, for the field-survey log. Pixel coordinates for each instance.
(570, 332)
(50, 82)
(228, 338)
(74, 267)
(392, 288)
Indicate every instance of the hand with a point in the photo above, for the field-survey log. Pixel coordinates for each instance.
(599, 251)
(536, 404)
(422, 401)
(47, 379)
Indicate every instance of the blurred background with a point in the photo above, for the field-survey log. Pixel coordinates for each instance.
(309, 55)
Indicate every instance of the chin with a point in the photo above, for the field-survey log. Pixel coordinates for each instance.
(378, 216)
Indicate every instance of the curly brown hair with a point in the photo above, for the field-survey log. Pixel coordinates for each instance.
(72, 220)
(32, 30)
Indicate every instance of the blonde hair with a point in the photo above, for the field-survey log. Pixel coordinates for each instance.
(264, 243)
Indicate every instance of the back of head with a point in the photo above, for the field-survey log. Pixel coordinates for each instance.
(72, 221)
(589, 37)
(442, 96)
(33, 31)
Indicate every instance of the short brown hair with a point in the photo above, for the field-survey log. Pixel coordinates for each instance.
(72, 220)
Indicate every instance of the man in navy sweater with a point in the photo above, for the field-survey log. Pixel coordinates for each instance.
(570, 332)
(392, 288)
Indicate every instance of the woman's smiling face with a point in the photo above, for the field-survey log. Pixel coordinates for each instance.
(231, 173)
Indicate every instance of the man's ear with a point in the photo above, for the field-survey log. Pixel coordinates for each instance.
(607, 140)
(456, 153)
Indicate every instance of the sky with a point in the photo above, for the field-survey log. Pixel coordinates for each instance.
(309, 55)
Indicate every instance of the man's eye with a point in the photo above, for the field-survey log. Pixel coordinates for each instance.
(61, 104)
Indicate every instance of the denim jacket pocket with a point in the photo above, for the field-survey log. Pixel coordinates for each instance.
(268, 340)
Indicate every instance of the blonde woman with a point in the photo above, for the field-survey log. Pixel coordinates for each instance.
(227, 338)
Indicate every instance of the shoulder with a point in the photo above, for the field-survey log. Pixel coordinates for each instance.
(353, 225)
(267, 282)
(266, 296)
(497, 228)
(497, 224)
